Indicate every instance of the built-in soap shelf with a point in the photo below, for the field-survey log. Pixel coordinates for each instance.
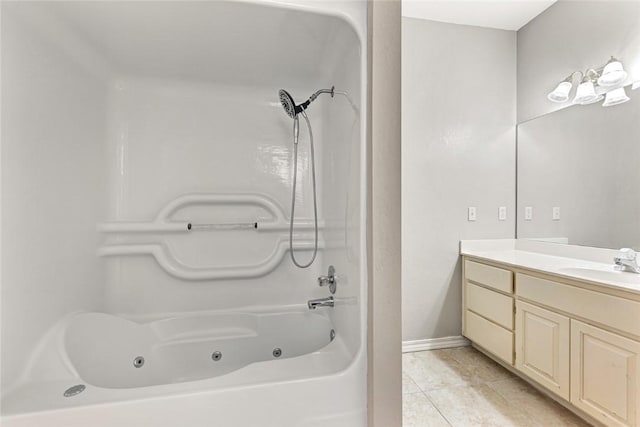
(276, 222)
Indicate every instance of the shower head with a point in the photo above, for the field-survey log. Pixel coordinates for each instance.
(290, 106)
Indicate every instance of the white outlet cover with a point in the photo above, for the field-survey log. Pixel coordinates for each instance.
(502, 213)
(471, 215)
(528, 213)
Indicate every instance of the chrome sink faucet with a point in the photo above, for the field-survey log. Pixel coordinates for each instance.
(627, 260)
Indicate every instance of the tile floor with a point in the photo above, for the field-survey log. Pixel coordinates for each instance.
(461, 387)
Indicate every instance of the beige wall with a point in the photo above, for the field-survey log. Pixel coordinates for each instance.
(458, 150)
(383, 205)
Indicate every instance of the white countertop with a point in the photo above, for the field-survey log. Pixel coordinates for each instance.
(593, 265)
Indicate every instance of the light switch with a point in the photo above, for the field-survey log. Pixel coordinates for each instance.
(502, 213)
(556, 213)
(472, 213)
(528, 213)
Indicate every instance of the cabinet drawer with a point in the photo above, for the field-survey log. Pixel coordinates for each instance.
(493, 338)
(616, 312)
(489, 276)
(492, 305)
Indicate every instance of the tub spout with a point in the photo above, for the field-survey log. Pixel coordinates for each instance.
(320, 302)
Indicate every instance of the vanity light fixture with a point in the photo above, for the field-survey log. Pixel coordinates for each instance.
(612, 75)
(586, 92)
(561, 92)
(615, 97)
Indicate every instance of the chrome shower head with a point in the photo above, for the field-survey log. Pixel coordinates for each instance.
(290, 106)
(288, 103)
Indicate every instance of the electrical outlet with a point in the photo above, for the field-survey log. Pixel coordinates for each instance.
(528, 213)
(502, 213)
(556, 213)
(471, 213)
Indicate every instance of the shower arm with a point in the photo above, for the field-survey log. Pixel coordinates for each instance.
(331, 91)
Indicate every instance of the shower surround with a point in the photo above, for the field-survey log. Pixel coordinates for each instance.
(146, 186)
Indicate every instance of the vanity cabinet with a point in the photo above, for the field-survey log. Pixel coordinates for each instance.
(578, 340)
(488, 311)
(542, 347)
(605, 374)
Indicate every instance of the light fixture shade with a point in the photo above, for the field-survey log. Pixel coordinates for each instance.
(613, 74)
(586, 94)
(560, 93)
(615, 97)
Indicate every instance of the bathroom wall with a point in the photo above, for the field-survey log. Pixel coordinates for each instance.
(54, 97)
(573, 36)
(212, 125)
(458, 150)
(459, 110)
(184, 137)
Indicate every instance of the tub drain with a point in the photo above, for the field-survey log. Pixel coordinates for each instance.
(216, 355)
(138, 362)
(277, 352)
(332, 335)
(72, 391)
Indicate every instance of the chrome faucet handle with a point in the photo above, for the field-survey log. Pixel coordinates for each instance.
(329, 280)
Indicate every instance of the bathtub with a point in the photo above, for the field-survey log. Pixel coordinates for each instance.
(89, 364)
(111, 352)
(145, 146)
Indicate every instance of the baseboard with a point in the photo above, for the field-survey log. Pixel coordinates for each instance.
(434, 344)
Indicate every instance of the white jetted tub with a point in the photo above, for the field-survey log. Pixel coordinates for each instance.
(112, 352)
(98, 364)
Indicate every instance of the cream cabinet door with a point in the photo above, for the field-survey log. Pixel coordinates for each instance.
(542, 347)
(605, 375)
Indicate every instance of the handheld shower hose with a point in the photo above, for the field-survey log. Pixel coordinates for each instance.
(293, 111)
(296, 130)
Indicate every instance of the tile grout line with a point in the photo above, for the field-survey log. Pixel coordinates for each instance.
(414, 383)
(437, 409)
(424, 393)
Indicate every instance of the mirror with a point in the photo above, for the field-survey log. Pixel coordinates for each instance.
(584, 161)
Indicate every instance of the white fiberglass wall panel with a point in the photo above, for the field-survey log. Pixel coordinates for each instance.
(173, 138)
(53, 180)
(342, 179)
